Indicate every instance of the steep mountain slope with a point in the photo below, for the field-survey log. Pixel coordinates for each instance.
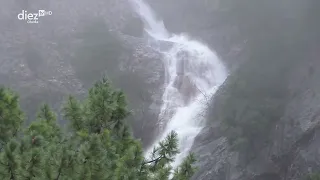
(263, 124)
(68, 50)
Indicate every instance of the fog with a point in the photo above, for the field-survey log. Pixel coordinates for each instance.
(265, 52)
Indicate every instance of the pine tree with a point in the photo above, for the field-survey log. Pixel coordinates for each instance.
(98, 146)
(164, 154)
(186, 170)
(11, 116)
(9, 161)
(74, 113)
(32, 154)
(46, 125)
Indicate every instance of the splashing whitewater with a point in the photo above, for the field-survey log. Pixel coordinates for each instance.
(193, 75)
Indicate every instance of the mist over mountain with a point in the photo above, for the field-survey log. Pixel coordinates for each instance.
(253, 64)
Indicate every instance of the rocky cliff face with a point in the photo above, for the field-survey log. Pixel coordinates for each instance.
(286, 147)
(210, 21)
(263, 124)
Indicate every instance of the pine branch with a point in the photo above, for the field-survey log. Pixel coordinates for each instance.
(59, 170)
(154, 160)
(12, 177)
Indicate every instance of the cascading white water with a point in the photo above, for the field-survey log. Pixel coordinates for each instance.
(193, 74)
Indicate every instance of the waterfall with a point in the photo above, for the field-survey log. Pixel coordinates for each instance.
(193, 75)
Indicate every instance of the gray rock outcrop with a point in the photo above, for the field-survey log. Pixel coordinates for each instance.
(263, 123)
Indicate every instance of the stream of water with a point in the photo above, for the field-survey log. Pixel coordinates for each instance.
(193, 75)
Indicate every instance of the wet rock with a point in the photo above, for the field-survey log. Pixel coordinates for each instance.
(280, 90)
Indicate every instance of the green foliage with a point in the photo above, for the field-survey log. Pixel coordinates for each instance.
(314, 176)
(186, 170)
(11, 117)
(98, 145)
(73, 112)
(45, 125)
